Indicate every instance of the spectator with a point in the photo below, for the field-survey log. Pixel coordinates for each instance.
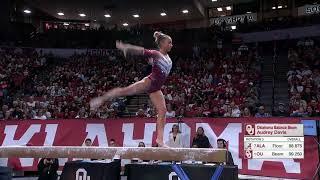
(222, 144)
(281, 111)
(235, 111)
(316, 77)
(216, 112)
(40, 115)
(261, 112)
(112, 143)
(3, 111)
(88, 142)
(201, 140)
(206, 112)
(228, 113)
(141, 113)
(17, 113)
(181, 112)
(315, 106)
(8, 115)
(296, 101)
(175, 138)
(47, 169)
(170, 113)
(82, 114)
(246, 113)
(148, 111)
(300, 112)
(31, 103)
(141, 144)
(311, 112)
(252, 100)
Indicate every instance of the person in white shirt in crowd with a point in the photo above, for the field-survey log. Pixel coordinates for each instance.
(168, 95)
(175, 137)
(31, 102)
(40, 115)
(235, 111)
(170, 113)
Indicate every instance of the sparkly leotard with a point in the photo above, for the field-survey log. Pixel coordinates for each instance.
(161, 67)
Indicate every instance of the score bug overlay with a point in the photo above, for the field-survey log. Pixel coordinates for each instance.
(270, 141)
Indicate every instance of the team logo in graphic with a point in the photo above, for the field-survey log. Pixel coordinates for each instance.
(250, 129)
(173, 176)
(248, 154)
(82, 174)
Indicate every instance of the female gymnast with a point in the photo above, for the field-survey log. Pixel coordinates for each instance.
(161, 67)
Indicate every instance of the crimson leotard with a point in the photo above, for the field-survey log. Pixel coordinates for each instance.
(161, 67)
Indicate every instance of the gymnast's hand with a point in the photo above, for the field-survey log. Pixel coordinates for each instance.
(122, 46)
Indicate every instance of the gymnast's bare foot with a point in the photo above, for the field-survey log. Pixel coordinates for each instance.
(95, 103)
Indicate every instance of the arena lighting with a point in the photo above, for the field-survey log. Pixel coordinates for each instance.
(273, 7)
(82, 15)
(66, 24)
(185, 11)
(214, 0)
(107, 15)
(60, 13)
(87, 24)
(219, 9)
(136, 15)
(163, 14)
(249, 12)
(27, 11)
(233, 27)
(279, 7)
(228, 8)
(125, 24)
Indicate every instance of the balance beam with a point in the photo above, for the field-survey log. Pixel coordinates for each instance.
(144, 153)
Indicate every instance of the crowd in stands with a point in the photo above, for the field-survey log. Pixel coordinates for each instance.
(213, 86)
(66, 37)
(208, 84)
(304, 79)
(277, 23)
(61, 88)
(77, 35)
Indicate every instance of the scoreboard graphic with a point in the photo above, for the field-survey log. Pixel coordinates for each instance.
(273, 141)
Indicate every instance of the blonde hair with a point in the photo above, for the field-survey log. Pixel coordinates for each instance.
(159, 36)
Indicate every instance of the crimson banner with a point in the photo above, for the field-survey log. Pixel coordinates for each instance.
(129, 132)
